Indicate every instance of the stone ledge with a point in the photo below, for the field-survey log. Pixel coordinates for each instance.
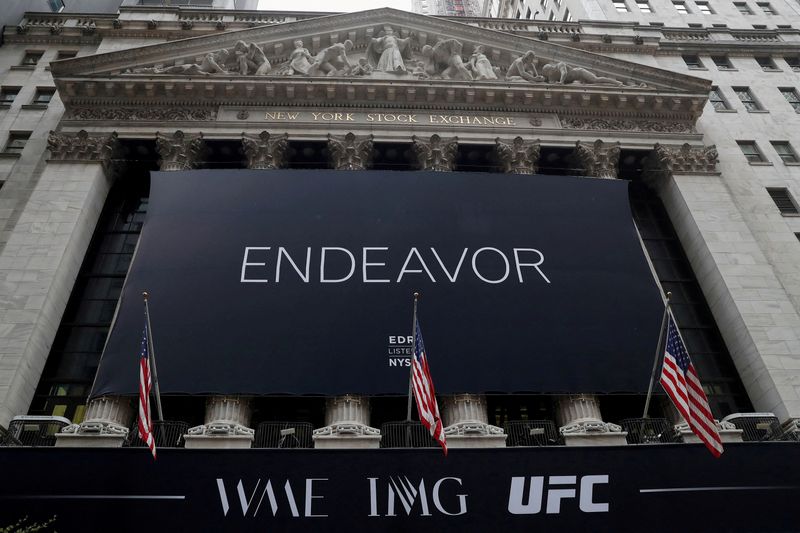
(618, 438)
(330, 442)
(218, 442)
(476, 441)
(78, 440)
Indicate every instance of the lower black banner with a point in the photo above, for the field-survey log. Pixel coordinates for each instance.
(620, 489)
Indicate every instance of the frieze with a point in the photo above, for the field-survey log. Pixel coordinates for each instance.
(140, 114)
(655, 126)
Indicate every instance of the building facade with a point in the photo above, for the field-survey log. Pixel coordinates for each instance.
(691, 102)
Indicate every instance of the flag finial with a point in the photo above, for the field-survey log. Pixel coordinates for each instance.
(145, 295)
(416, 296)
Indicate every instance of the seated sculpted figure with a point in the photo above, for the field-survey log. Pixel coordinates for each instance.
(387, 52)
(444, 59)
(480, 66)
(250, 59)
(524, 69)
(332, 60)
(562, 73)
(299, 60)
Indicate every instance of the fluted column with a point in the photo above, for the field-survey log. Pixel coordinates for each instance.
(597, 159)
(105, 424)
(265, 151)
(467, 423)
(347, 424)
(226, 421)
(582, 423)
(350, 151)
(519, 156)
(436, 153)
(178, 151)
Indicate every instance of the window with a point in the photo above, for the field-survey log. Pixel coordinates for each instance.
(766, 63)
(743, 8)
(552, 16)
(43, 95)
(785, 152)
(693, 61)
(56, 6)
(31, 58)
(567, 15)
(751, 151)
(783, 200)
(695, 25)
(16, 142)
(681, 7)
(719, 25)
(722, 62)
(784, 26)
(705, 8)
(621, 6)
(644, 7)
(790, 93)
(767, 8)
(66, 54)
(717, 100)
(747, 98)
(793, 62)
(759, 26)
(7, 95)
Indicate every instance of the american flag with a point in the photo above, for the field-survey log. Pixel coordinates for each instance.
(424, 393)
(679, 378)
(145, 422)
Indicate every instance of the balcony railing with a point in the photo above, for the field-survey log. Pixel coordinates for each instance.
(405, 434)
(36, 430)
(168, 434)
(532, 433)
(756, 426)
(284, 435)
(649, 430)
(7, 439)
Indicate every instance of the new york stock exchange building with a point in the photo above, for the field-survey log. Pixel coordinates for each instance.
(281, 183)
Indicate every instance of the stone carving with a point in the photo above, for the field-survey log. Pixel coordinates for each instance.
(524, 69)
(437, 154)
(580, 414)
(106, 416)
(684, 159)
(155, 114)
(519, 157)
(387, 52)
(299, 60)
(564, 74)
(264, 152)
(347, 416)
(480, 65)
(332, 61)
(179, 151)
(626, 125)
(243, 59)
(350, 152)
(81, 146)
(362, 69)
(598, 159)
(444, 60)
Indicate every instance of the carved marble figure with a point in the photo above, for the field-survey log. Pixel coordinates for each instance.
(444, 60)
(299, 60)
(250, 58)
(362, 69)
(562, 73)
(332, 61)
(212, 63)
(387, 52)
(480, 65)
(524, 69)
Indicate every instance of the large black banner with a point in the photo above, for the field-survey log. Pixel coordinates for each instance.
(662, 488)
(270, 282)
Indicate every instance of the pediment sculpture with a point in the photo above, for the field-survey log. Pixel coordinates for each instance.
(387, 56)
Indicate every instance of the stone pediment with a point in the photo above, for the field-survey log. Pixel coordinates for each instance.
(382, 55)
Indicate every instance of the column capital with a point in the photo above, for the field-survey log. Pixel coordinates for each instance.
(178, 151)
(684, 159)
(582, 423)
(105, 425)
(518, 156)
(350, 151)
(598, 159)
(347, 424)
(265, 151)
(81, 147)
(435, 154)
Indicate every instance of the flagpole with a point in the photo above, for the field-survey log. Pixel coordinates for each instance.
(658, 355)
(411, 369)
(152, 361)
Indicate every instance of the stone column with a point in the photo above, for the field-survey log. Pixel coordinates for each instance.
(225, 425)
(350, 152)
(582, 424)
(179, 151)
(347, 416)
(467, 424)
(597, 159)
(519, 156)
(264, 151)
(347, 424)
(105, 425)
(435, 154)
